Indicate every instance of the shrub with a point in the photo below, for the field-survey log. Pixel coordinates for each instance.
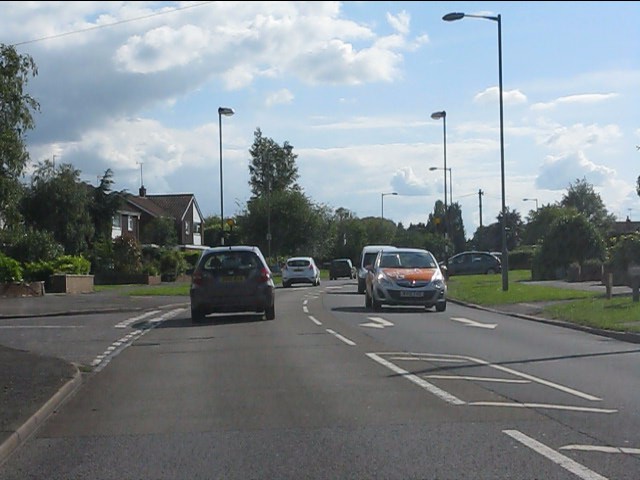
(521, 258)
(172, 264)
(72, 265)
(10, 269)
(624, 251)
(127, 257)
(30, 245)
(592, 269)
(39, 271)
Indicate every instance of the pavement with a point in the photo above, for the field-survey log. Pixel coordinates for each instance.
(34, 386)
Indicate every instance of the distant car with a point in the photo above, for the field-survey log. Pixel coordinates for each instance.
(405, 276)
(300, 270)
(473, 263)
(367, 256)
(341, 268)
(232, 279)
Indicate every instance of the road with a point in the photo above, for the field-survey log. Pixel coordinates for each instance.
(329, 390)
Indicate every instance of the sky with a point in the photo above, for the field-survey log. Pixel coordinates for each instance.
(135, 87)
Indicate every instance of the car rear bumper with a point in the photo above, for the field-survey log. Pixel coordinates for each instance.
(423, 297)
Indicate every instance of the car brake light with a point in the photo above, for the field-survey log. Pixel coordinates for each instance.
(264, 275)
(196, 278)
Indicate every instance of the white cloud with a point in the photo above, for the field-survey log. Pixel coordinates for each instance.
(279, 97)
(558, 172)
(583, 99)
(400, 22)
(492, 95)
(579, 137)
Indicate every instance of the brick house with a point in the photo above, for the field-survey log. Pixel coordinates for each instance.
(138, 210)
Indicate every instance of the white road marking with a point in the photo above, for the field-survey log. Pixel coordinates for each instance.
(549, 406)
(128, 322)
(101, 361)
(479, 379)
(533, 378)
(602, 449)
(305, 301)
(305, 309)
(340, 337)
(565, 462)
(317, 322)
(429, 359)
(473, 323)
(377, 322)
(438, 392)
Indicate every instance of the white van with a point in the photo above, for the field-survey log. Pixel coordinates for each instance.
(367, 257)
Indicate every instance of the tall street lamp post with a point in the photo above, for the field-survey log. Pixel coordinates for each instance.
(531, 200)
(382, 195)
(227, 112)
(450, 17)
(437, 116)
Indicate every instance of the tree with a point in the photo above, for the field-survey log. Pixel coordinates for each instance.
(581, 196)
(272, 167)
(59, 202)
(16, 107)
(160, 231)
(105, 204)
(537, 227)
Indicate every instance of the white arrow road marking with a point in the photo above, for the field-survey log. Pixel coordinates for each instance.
(565, 462)
(602, 449)
(377, 322)
(472, 323)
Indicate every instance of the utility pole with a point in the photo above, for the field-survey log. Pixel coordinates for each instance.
(480, 193)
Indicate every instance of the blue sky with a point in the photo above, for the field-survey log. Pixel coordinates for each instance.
(135, 87)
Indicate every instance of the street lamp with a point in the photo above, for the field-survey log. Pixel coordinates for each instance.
(450, 17)
(382, 202)
(531, 200)
(437, 116)
(450, 180)
(227, 112)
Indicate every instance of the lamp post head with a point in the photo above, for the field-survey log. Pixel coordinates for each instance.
(227, 112)
(434, 168)
(438, 115)
(451, 17)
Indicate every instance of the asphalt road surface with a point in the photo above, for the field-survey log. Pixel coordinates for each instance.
(329, 390)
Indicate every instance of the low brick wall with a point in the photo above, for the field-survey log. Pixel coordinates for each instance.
(66, 283)
(16, 289)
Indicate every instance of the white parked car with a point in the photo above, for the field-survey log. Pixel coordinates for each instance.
(300, 270)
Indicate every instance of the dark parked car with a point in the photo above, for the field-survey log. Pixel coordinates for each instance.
(232, 279)
(473, 263)
(341, 268)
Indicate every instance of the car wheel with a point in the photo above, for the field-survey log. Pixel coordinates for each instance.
(270, 312)
(286, 284)
(367, 300)
(197, 315)
(441, 307)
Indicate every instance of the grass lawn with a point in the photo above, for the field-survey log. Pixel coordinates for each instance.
(585, 308)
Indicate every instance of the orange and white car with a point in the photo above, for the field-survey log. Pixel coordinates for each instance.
(405, 276)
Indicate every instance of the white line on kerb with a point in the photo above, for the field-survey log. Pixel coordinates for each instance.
(313, 319)
(438, 392)
(565, 462)
(340, 337)
(549, 406)
(602, 449)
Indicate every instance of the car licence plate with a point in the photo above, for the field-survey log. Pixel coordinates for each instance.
(412, 294)
(232, 279)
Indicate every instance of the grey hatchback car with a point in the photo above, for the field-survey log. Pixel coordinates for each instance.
(232, 279)
(474, 263)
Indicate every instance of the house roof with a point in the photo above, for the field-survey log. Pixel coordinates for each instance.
(173, 205)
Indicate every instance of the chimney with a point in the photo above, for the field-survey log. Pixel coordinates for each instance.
(143, 191)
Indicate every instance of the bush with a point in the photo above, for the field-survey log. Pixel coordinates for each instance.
(10, 269)
(172, 264)
(624, 252)
(521, 258)
(592, 269)
(127, 256)
(30, 245)
(72, 265)
(38, 271)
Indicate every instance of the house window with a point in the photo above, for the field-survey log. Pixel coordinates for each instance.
(187, 228)
(116, 221)
(130, 223)
(196, 227)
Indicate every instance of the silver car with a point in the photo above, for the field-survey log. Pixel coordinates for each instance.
(300, 270)
(405, 276)
(232, 279)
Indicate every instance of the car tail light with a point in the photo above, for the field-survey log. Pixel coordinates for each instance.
(196, 278)
(310, 267)
(264, 275)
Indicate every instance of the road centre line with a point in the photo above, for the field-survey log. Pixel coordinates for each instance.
(478, 379)
(516, 373)
(548, 406)
(602, 449)
(313, 319)
(340, 337)
(565, 462)
(305, 309)
(438, 392)
(429, 359)
(473, 323)
(126, 323)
